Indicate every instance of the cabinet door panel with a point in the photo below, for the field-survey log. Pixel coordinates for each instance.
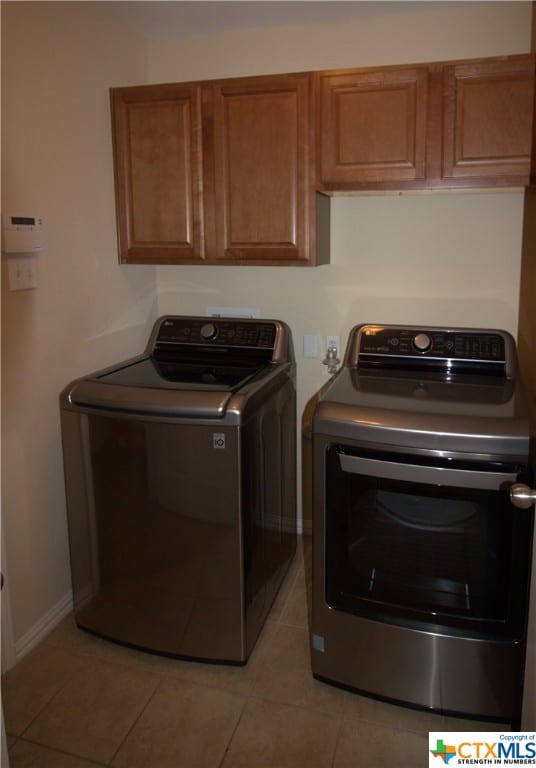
(487, 119)
(262, 169)
(373, 126)
(158, 174)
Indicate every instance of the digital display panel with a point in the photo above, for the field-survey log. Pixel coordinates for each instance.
(23, 221)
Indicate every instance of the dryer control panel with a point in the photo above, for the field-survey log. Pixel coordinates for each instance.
(455, 349)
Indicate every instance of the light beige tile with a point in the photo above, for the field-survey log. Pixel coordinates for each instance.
(94, 711)
(28, 687)
(27, 755)
(390, 715)
(68, 636)
(284, 591)
(10, 741)
(228, 677)
(285, 675)
(184, 726)
(297, 609)
(277, 736)
(462, 724)
(306, 544)
(367, 744)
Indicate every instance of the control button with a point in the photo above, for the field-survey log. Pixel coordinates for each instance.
(208, 331)
(422, 342)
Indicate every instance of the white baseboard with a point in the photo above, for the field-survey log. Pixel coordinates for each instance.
(41, 628)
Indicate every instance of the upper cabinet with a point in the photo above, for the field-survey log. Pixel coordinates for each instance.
(372, 125)
(226, 171)
(157, 151)
(533, 152)
(487, 120)
(218, 172)
(443, 125)
(262, 169)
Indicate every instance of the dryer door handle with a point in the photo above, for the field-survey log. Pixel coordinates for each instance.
(416, 473)
(522, 496)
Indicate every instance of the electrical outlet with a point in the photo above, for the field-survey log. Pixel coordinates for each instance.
(334, 341)
(22, 272)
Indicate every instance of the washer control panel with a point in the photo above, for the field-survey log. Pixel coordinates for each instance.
(401, 346)
(216, 332)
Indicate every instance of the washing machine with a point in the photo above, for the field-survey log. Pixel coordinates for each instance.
(180, 476)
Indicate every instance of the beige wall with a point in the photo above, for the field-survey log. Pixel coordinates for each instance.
(442, 259)
(452, 31)
(451, 259)
(431, 259)
(58, 61)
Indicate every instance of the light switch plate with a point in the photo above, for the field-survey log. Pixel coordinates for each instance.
(310, 345)
(22, 272)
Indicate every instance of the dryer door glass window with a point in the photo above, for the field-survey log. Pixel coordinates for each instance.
(413, 552)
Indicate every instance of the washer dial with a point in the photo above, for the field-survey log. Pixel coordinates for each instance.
(208, 331)
(422, 342)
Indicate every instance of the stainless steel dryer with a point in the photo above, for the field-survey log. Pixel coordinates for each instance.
(180, 473)
(421, 558)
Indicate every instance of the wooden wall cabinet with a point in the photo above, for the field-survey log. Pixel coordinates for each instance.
(459, 124)
(218, 172)
(263, 173)
(487, 120)
(372, 125)
(157, 152)
(226, 171)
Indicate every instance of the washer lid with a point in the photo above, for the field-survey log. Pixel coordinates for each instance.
(201, 374)
(146, 386)
(147, 401)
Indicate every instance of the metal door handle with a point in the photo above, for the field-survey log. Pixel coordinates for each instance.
(460, 478)
(522, 496)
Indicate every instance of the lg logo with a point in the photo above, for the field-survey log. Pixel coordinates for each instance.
(218, 440)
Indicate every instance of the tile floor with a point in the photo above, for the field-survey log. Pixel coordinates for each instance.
(80, 702)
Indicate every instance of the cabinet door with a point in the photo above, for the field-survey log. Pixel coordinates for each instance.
(487, 120)
(533, 136)
(262, 179)
(373, 125)
(158, 173)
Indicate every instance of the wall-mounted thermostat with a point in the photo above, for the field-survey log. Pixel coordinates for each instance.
(22, 234)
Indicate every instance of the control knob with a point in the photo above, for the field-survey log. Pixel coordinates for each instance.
(422, 342)
(208, 331)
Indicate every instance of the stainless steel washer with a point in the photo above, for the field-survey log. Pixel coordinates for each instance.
(180, 473)
(421, 564)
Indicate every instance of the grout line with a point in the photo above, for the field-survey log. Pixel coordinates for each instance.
(226, 750)
(63, 752)
(49, 701)
(339, 730)
(136, 720)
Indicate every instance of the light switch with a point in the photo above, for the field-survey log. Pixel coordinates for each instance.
(22, 272)
(310, 345)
